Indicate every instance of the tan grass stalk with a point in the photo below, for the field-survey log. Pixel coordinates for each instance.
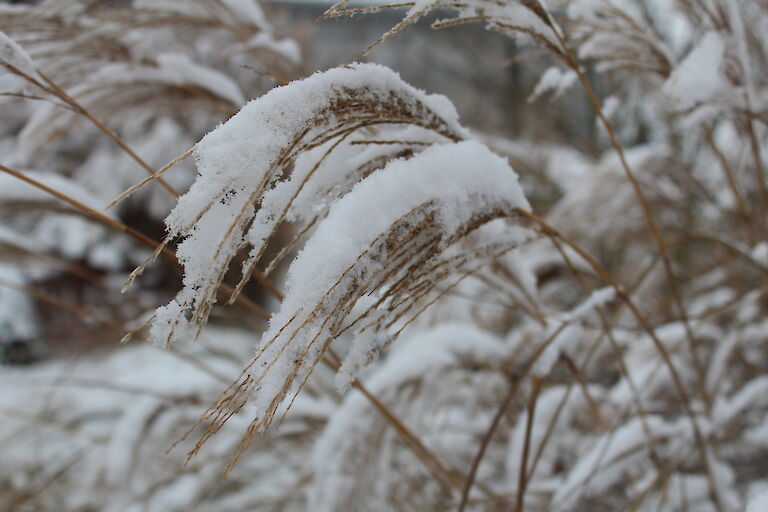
(523, 481)
(637, 188)
(505, 403)
(54, 88)
(731, 180)
(647, 327)
(153, 176)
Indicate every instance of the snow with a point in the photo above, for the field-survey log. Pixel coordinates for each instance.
(606, 461)
(554, 80)
(565, 342)
(421, 353)
(12, 238)
(600, 45)
(516, 20)
(286, 47)
(169, 68)
(128, 435)
(317, 180)
(610, 106)
(558, 404)
(340, 170)
(753, 395)
(466, 170)
(72, 234)
(698, 79)
(471, 177)
(737, 22)
(246, 11)
(719, 362)
(339, 259)
(115, 413)
(710, 301)
(760, 253)
(180, 70)
(433, 350)
(759, 503)
(161, 70)
(18, 320)
(240, 163)
(157, 144)
(285, 164)
(12, 54)
(596, 300)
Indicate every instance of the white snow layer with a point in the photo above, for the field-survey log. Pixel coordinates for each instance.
(12, 55)
(239, 166)
(17, 314)
(698, 79)
(556, 80)
(460, 180)
(429, 351)
(759, 503)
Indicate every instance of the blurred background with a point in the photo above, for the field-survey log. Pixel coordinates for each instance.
(642, 391)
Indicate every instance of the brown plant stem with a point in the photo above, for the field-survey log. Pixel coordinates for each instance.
(574, 64)
(731, 179)
(505, 403)
(648, 328)
(54, 88)
(523, 480)
(449, 478)
(119, 226)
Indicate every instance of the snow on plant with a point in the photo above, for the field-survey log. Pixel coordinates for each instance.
(691, 75)
(121, 417)
(60, 229)
(245, 165)
(94, 105)
(402, 254)
(429, 378)
(98, 69)
(367, 274)
(14, 59)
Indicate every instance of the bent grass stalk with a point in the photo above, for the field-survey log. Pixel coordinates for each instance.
(451, 479)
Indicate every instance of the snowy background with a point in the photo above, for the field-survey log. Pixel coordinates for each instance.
(438, 256)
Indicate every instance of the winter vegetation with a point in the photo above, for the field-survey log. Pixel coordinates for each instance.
(230, 281)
